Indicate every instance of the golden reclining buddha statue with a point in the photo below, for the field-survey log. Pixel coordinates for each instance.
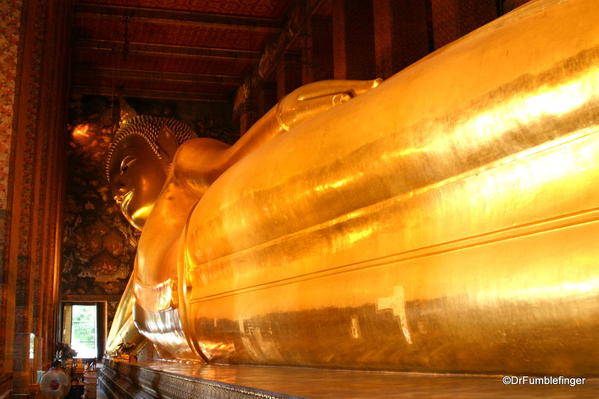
(446, 220)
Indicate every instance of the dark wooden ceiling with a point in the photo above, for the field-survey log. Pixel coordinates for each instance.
(171, 49)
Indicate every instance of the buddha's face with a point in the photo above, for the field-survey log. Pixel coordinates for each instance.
(137, 175)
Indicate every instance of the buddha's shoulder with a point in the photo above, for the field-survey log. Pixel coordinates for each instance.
(197, 160)
(200, 148)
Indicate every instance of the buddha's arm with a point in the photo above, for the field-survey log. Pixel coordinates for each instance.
(198, 163)
(302, 104)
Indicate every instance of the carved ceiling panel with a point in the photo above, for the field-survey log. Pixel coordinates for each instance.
(149, 62)
(257, 8)
(160, 46)
(103, 28)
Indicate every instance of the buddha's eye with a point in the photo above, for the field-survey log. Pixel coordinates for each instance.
(126, 163)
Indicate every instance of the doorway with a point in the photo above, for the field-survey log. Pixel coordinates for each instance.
(83, 328)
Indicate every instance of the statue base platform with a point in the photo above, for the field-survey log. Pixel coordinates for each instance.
(163, 379)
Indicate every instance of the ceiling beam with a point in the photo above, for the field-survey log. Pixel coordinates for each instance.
(167, 50)
(161, 16)
(151, 93)
(100, 74)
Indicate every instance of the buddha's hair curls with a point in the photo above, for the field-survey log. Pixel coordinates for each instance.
(147, 127)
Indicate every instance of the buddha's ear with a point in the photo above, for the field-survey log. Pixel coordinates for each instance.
(167, 143)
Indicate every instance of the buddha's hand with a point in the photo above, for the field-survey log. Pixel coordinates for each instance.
(314, 98)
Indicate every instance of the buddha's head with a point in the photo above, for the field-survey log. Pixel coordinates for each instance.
(138, 160)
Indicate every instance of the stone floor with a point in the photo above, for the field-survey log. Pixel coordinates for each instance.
(325, 384)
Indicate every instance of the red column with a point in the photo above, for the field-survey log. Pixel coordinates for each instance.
(317, 54)
(288, 75)
(385, 46)
(400, 34)
(445, 16)
(452, 19)
(339, 52)
(353, 39)
(411, 31)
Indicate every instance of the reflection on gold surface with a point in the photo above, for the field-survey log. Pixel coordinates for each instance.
(80, 132)
(142, 213)
(445, 220)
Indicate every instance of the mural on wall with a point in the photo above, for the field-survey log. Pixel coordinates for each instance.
(98, 243)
